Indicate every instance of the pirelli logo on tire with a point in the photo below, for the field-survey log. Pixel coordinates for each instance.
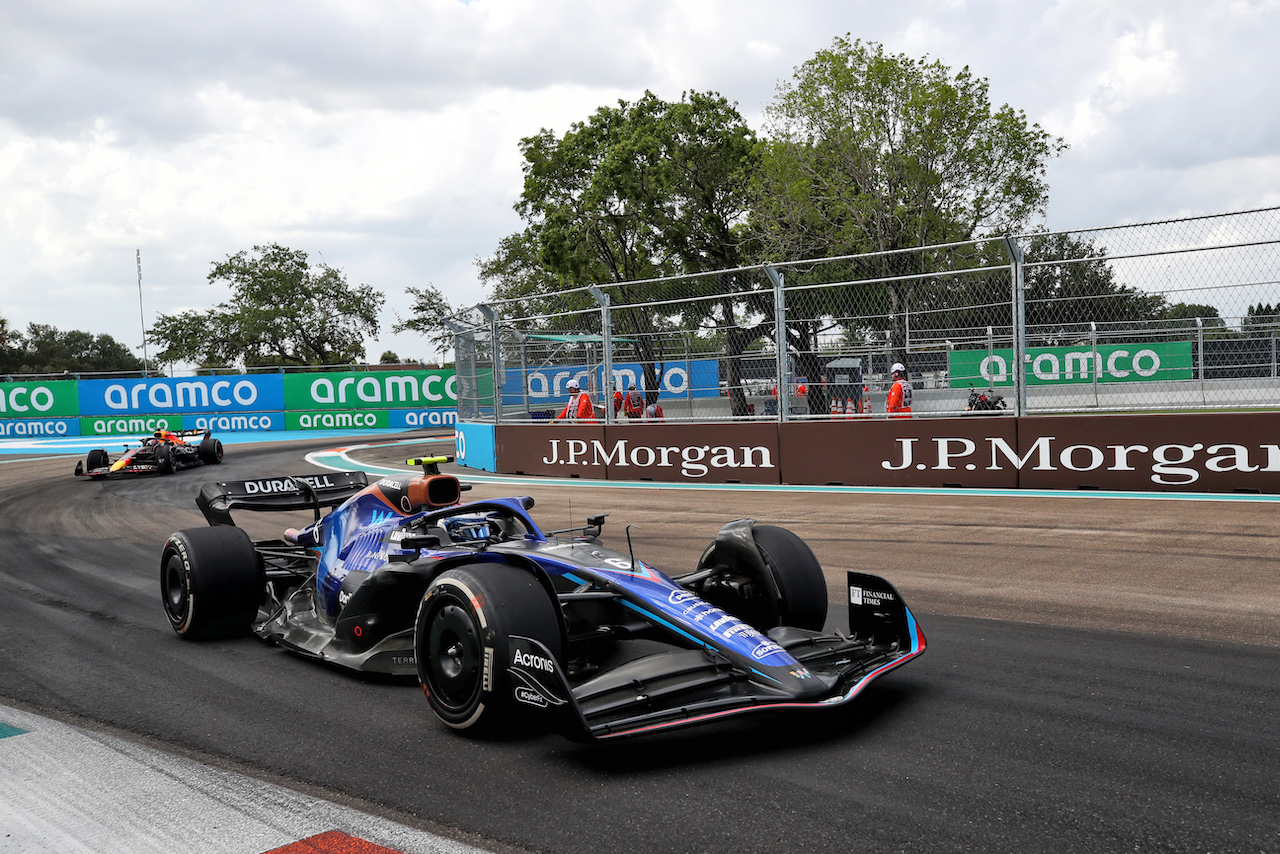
(487, 685)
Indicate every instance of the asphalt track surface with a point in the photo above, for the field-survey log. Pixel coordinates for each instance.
(1100, 676)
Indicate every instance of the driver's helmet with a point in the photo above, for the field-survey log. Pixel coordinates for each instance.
(166, 436)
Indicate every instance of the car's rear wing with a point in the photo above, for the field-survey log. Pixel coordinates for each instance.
(294, 492)
(182, 434)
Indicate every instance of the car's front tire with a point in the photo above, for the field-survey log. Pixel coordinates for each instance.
(798, 575)
(789, 589)
(211, 582)
(210, 451)
(96, 459)
(461, 640)
(164, 459)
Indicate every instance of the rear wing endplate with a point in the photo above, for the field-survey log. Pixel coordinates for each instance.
(293, 492)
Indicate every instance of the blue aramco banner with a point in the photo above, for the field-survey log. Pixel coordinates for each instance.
(256, 393)
(545, 385)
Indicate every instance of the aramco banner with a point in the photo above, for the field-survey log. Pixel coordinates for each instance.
(42, 400)
(371, 390)
(547, 385)
(177, 395)
(1069, 365)
(407, 399)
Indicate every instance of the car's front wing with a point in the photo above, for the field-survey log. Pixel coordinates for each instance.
(686, 687)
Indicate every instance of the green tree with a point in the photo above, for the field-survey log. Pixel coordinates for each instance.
(1080, 287)
(8, 349)
(282, 311)
(426, 316)
(45, 349)
(1261, 320)
(637, 192)
(872, 152)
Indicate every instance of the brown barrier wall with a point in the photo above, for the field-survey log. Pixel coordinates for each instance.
(1182, 453)
(896, 452)
(711, 453)
(1188, 453)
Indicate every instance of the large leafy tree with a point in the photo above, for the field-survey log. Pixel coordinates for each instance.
(872, 152)
(426, 316)
(637, 192)
(45, 349)
(283, 311)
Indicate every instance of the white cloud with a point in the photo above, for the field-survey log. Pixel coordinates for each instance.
(1140, 67)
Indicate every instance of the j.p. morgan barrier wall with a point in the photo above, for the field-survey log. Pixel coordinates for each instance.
(1191, 453)
(408, 399)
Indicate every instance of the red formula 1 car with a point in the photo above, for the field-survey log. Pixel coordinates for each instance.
(160, 453)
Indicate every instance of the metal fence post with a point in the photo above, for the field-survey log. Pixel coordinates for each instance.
(688, 372)
(1019, 368)
(524, 371)
(492, 316)
(780, 336)
(1200, 354)
(464, 360)
(606, 334)
(1095, 362)
(991, 351)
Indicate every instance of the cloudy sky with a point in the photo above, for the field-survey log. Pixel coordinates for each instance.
(382, 137)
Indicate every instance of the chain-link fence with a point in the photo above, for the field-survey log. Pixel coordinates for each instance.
(1175, 315)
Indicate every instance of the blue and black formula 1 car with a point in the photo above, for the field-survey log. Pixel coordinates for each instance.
(497, 618)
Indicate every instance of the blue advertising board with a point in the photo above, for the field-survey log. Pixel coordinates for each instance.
(236, 423)
(241, 393)
(546, 384)
(475, 446)
(417, 419)
(25, 428)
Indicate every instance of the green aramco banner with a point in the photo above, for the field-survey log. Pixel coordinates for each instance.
(53, 399)
(1068, 365)
(416, 389)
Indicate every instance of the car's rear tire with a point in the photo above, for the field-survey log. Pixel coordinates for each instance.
(164, 458)
(793, 594)
(461, 635)
(210, 451)
(211, 582)
(96, 459)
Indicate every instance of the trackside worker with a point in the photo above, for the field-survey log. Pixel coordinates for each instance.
(900, 393)
(579, 407)
(653, 412)
(633, 404)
